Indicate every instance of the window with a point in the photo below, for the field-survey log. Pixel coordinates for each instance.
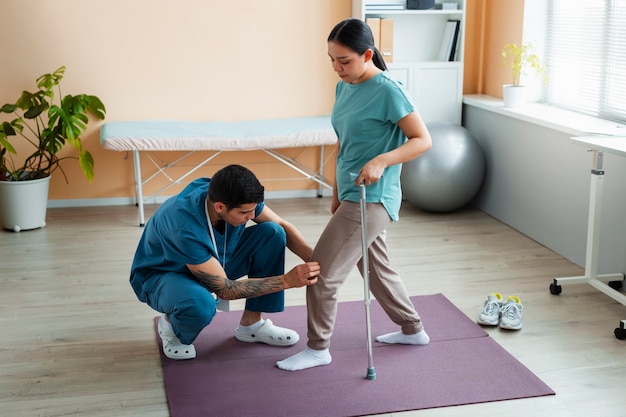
(585, 53)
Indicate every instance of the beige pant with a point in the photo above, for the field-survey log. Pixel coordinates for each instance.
(338, 250)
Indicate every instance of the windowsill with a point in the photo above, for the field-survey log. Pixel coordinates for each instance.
(564, 121)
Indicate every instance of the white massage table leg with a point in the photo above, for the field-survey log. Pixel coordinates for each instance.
(138, 187)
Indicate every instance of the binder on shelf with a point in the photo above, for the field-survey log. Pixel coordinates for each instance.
(374, 24)
(386, 39)
(447, 51)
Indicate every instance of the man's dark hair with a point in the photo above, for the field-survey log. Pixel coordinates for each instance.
(235, 185)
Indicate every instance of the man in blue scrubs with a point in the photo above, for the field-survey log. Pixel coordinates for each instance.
(196, 248)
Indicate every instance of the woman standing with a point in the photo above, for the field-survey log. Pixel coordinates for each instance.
(378, 130)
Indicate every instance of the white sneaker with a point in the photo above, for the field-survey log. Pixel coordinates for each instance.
(269, 333)
(511, 313)
(490, 315)
(172, 346)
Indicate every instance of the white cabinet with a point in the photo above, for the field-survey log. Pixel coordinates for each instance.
(436, 86)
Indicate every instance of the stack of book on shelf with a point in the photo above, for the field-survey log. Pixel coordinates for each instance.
(394, 5)
(447, 51)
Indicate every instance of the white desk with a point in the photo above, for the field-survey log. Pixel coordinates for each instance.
(598, 145)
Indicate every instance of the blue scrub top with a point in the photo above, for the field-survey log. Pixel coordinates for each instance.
(177, 234)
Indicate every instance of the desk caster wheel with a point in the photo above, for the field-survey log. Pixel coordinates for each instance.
(620, 332)
(616, 285)
(555, 289)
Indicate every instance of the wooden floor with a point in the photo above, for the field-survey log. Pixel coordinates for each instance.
(75, 341)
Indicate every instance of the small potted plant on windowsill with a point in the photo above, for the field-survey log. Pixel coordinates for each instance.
(46, 124)
(520, 60)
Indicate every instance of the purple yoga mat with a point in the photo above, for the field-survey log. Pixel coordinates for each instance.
(461, 365)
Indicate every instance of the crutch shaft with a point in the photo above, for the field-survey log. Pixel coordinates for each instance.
(371, 373)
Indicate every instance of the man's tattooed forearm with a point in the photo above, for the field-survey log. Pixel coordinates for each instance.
(228, 289)
(250, 288)
(212, 282)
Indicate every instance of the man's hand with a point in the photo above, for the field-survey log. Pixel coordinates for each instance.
(212, 276)
(301, 275)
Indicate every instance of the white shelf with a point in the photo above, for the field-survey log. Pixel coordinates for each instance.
(436, 86)
(427, 64)
(389, 12)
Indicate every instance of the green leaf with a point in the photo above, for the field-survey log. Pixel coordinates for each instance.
(52, 141)
(4, 143)
(28, 99)
(35, 111)
(71, 125)
(87, 164)
(96, 107)
(7, 129)
(8, 108)
(47, 81)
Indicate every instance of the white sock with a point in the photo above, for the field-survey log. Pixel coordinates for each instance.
(308, 358)
(419, 338)
(251, 328)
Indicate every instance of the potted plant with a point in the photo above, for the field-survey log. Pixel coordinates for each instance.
(520, 60)
(44, 121)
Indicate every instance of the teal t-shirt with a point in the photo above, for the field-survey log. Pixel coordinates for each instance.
(365, 118)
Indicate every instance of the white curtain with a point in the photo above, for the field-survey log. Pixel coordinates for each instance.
(586, 57)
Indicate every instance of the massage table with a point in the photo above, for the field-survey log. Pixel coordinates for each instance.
(216, 137)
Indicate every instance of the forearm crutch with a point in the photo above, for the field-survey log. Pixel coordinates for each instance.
(371, 373)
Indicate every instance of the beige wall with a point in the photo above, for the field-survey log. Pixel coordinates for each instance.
(205, 60)
(157, 59)
(490, 24)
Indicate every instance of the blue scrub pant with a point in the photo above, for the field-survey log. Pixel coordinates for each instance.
(190, 307)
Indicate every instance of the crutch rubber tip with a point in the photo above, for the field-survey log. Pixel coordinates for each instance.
(371, 374)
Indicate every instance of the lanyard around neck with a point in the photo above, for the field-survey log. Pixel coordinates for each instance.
(208, 220)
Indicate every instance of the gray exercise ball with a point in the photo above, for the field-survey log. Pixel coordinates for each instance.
(447, 176)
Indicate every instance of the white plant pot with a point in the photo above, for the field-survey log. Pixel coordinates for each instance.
(23, 204)
(514, 96)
